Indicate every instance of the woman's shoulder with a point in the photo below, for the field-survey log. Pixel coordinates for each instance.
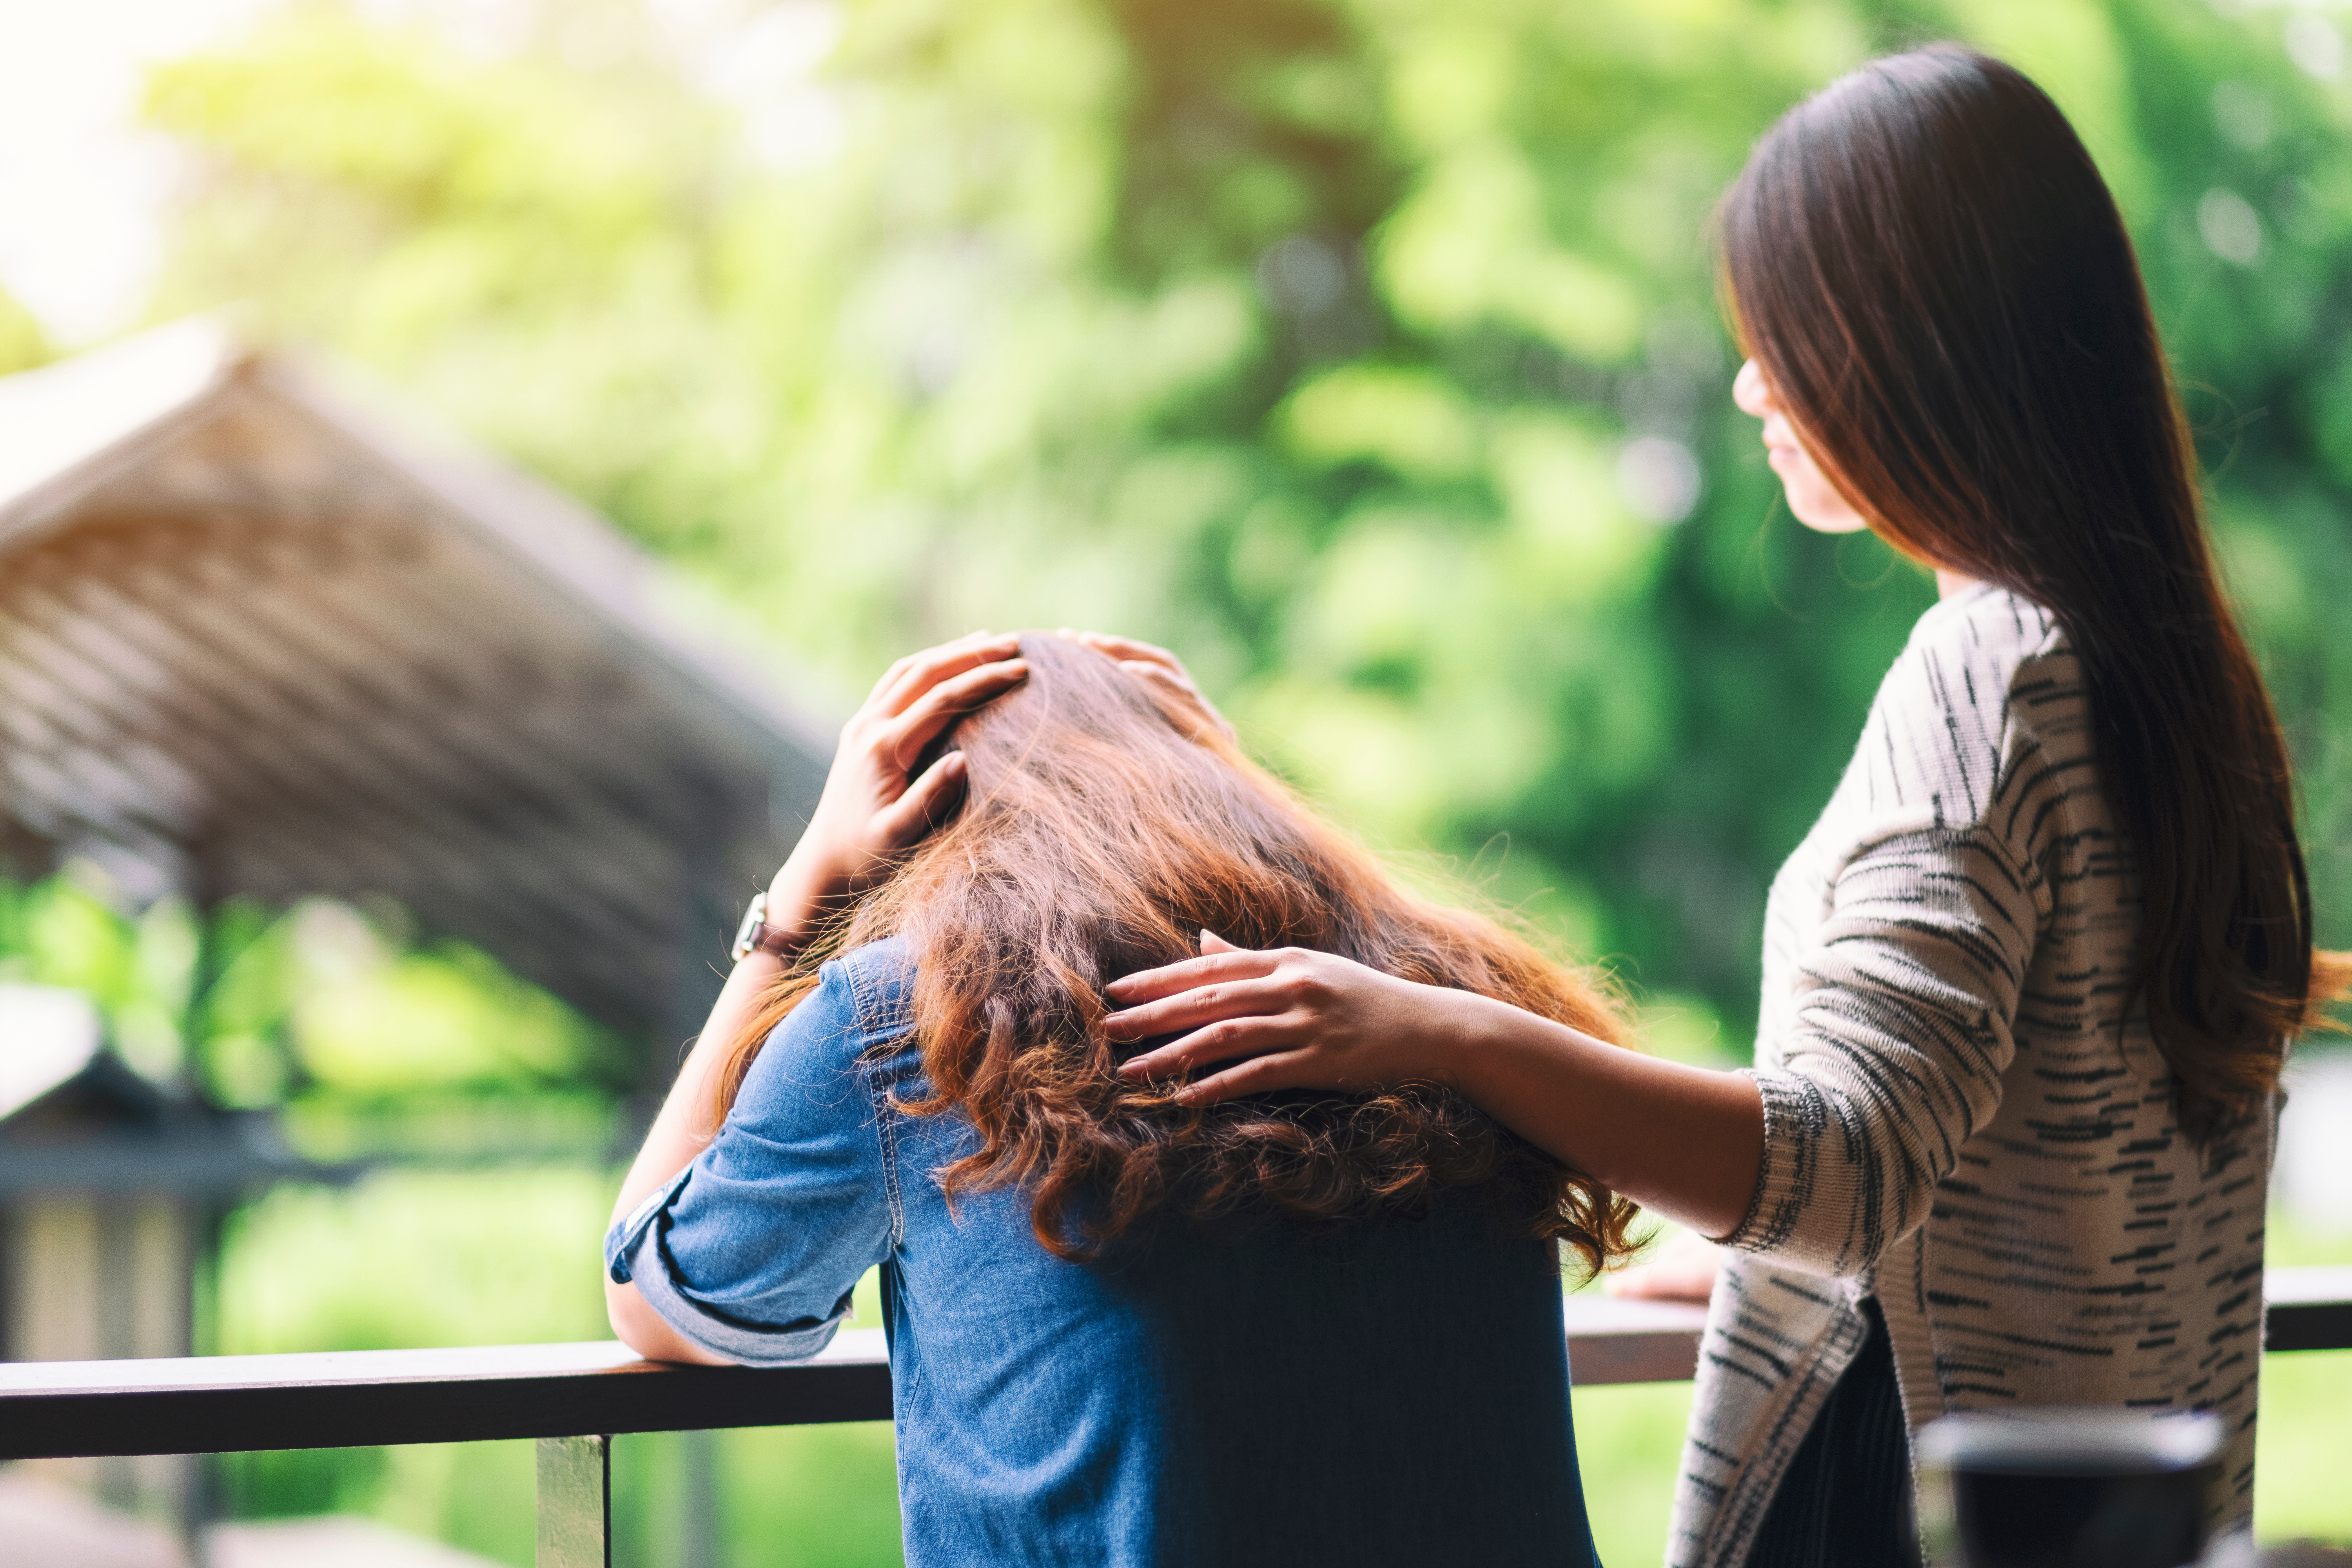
(1985, 626)
(1986, 675)
(1972, 657)
(878, 979)
(861, 1002)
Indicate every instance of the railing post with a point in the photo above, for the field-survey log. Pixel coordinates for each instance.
(698, 1542)
(575, 1502)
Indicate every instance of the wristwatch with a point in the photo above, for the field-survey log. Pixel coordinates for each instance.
(756, 935)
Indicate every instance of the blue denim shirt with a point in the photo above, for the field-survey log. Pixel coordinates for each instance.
(1394, 1393)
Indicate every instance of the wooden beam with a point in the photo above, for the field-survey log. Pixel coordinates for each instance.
(362, 1398)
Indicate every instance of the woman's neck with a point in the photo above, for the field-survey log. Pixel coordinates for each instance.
(1950, 582)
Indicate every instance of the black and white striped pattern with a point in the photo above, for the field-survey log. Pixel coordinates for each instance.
(1959, 1117)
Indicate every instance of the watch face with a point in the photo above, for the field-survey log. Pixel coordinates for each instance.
(754, 918)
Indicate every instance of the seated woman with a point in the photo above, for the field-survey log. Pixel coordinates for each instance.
(1305, 1329)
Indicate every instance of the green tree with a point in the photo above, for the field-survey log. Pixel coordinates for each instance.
(1367, 352)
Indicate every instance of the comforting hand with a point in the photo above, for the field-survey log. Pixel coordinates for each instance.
(1294, 1019)
(1163, 671)
(1305, 1020)
(870, 809)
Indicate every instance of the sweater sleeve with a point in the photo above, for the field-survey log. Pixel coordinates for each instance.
(1894, 1050)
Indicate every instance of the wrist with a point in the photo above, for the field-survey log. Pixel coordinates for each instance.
(761, 934)
(1465, 1052)
(798, 900)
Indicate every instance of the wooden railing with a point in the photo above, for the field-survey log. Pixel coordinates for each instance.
(573, 1398)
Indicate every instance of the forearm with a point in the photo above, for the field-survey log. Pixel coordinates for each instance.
(870, 810)
(636, 1325)
(799, 900)
(1684, 1142)
(684, 1127)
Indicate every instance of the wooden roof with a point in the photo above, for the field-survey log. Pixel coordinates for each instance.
(74, 1118)
(264, 637)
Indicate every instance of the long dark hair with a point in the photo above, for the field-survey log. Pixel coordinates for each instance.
(1927, 265)
(1101, 834)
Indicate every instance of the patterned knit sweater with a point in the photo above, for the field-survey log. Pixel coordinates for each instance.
(1959, 1116)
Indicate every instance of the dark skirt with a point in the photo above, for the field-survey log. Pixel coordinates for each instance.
(1845, 1501)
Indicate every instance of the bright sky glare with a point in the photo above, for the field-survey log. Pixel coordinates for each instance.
(82, 188)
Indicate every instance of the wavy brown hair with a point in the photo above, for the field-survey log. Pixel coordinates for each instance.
(1927, 265)
(1101, 834)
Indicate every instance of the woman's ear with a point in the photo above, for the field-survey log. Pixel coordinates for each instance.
(1211, 942)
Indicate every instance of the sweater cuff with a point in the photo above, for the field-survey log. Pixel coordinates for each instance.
(1792, 1122)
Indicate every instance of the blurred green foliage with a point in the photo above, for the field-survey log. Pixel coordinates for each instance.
(1364, 351)
(316, 1005)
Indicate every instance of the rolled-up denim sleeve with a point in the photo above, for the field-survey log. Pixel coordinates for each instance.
(752, 1250)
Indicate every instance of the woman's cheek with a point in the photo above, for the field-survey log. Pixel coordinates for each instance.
(1812, 498)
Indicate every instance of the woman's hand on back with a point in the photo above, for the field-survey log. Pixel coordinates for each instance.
(1298, 1020)
(872, 809)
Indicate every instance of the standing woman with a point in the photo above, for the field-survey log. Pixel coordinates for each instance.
(2029, 982)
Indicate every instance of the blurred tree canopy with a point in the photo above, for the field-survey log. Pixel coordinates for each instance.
(249, 1005)
(1365, 351)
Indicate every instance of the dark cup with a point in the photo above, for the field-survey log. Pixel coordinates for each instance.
(2068, 1488)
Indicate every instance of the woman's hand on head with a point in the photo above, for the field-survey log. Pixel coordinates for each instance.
(1163, 672)
(872, 809)
(1285, 1018)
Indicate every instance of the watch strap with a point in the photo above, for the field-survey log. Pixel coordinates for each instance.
(755, 935)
